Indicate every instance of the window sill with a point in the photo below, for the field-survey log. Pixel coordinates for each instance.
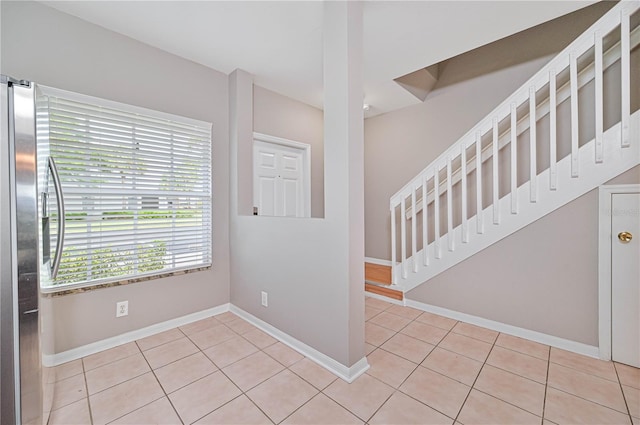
(59, 291)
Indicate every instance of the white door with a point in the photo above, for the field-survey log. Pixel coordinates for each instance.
(279, 180)
(625, 278)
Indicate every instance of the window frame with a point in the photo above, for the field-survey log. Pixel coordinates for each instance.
(47, 286)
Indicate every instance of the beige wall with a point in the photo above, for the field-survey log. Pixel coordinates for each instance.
(55, 49)
(543, 277)
(281, 116)
(400, 144)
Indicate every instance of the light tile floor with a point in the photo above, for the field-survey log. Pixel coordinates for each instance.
(425, 369)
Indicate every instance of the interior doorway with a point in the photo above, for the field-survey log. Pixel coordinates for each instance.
(619, 251)
(281, 177)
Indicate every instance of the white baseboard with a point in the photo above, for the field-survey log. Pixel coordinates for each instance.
(348, 374)
(383, 298)
(105, 344)
(553, 341)
(377, 261)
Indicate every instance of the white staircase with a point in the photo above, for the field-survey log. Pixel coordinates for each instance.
(567, 144)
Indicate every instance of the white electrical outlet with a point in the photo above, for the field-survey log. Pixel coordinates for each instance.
(122, 308)
(265, 300)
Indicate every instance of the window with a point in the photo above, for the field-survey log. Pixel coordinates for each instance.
(136, 186)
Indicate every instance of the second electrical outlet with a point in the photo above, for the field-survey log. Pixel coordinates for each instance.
(122, 308)
(265, 300)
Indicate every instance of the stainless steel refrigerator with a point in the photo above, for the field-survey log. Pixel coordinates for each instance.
(22, 228)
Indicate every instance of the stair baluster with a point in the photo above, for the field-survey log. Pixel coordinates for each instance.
(625, 75)
(553, 106)
(479, 212)
(573, 72)
(463, 190)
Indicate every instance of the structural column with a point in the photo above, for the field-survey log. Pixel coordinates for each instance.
(344, 153)
(241, 142)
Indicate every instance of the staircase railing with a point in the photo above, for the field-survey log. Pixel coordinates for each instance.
(460, 210)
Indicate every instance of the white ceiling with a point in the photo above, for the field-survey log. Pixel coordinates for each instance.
(280, 43)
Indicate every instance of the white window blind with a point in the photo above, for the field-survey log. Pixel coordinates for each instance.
(136, 186)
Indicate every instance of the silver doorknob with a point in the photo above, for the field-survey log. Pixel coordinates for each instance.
(625, 237)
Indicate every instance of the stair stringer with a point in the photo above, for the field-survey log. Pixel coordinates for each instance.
(616, 161)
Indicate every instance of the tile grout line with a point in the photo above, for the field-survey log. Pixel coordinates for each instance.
(319, 391)
(345, 407)
(499, 368)
(395, 390)
(222, 372)
(158, 380)
(398, 389)
(111, 361)
(259, 383)
(508, 402)
(140, 351)
(583, 371)
(126, 380)
(437, 345)
(591, 401)
(341, 405)
(112, 386)
(242, 392)
(475, 380)
(494, 343)
(416, 368)
(383, 403)
(75, 401)
(448, 350)
(624, 396)
(386, 350)
(424, 404)
(546, 385)
(593, 376)
(86, 386)
(404, 380)
(300, 407)
(512, 373)
(185, 385)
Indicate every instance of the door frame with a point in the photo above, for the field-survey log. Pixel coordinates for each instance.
(605, 194)
(306, 164)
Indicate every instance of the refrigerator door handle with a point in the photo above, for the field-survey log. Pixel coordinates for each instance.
(55, 264)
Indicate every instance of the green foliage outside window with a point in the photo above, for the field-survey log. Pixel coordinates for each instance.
(110, 262)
